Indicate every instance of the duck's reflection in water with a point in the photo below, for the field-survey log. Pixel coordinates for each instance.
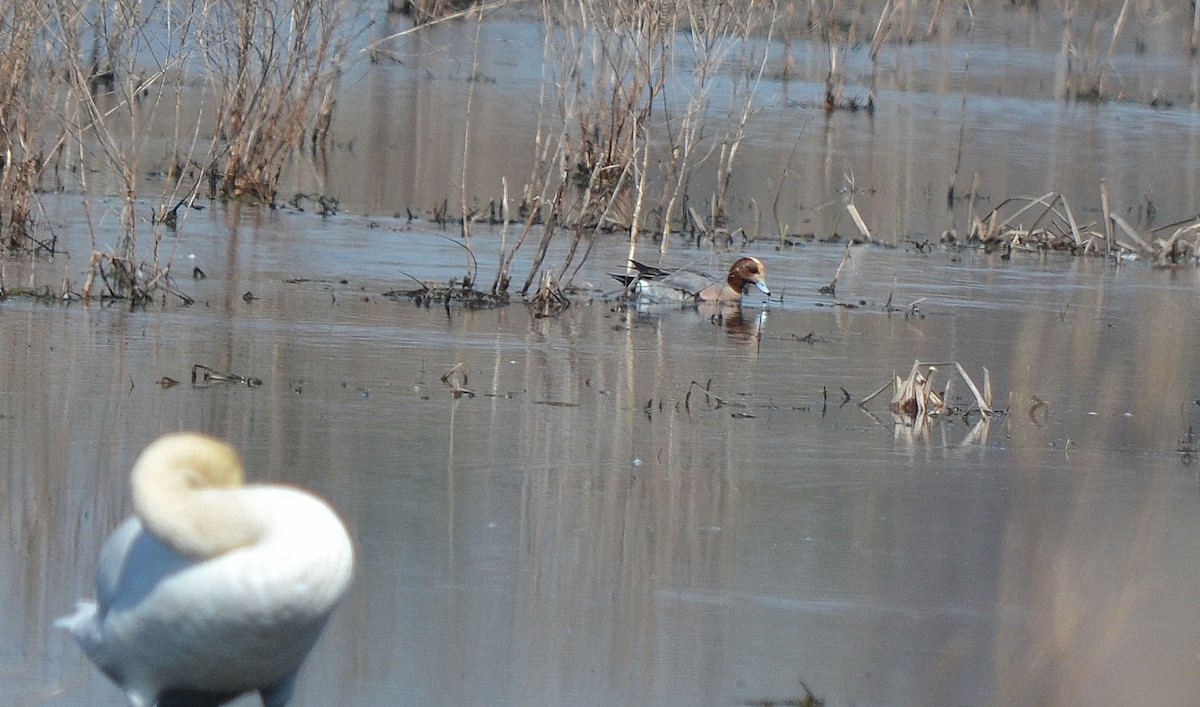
(744, 327)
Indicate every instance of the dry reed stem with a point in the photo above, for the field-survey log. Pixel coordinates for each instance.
(466, 150)
(1194, 37)
(429, 12)
(858, 221)
(549, 300)
(1139, 244)
(1112, 45)
(831, 288)
(500, 283)
(373, 47)
(202, 376)
(1106, 213)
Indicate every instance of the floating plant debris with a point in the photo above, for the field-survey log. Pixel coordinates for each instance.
(452, 293)
(456, 380)
(203, 376)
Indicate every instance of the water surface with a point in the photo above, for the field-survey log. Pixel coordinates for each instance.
(591, 528)
(667, 507)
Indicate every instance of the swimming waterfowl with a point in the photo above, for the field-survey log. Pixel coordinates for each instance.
(213, 588)
(655, 285)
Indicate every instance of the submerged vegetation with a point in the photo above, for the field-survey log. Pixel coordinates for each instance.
(644, 108)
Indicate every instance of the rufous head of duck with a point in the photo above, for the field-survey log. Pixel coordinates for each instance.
(654, 285)
(746, 271)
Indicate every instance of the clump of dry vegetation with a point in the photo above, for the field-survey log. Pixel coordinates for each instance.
(85, 88)
(274, 66)
(453, 293)
(915, 396)
(31, 83)
(456, 380)
(1047, 223)
(626, 124)
(626, 121)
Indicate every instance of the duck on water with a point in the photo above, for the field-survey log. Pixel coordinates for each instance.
(653, 285)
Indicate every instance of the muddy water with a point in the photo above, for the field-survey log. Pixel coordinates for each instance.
(591, 527)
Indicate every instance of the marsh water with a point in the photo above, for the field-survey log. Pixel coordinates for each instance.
(662, 507)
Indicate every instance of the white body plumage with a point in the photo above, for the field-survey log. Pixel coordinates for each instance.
(181, 618)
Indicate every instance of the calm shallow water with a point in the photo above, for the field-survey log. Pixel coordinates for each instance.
(591, 528)
(584, 531)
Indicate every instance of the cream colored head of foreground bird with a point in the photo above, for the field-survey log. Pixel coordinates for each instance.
(213, 588)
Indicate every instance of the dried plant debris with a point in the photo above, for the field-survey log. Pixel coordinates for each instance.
(1047, 223)
(708, 399)
(453, 293)
(915, 396)
(549, 300)
(43, 294)
(123, 279)
(203, 376)
(456, 380)
(831, 288)
(714, 400)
